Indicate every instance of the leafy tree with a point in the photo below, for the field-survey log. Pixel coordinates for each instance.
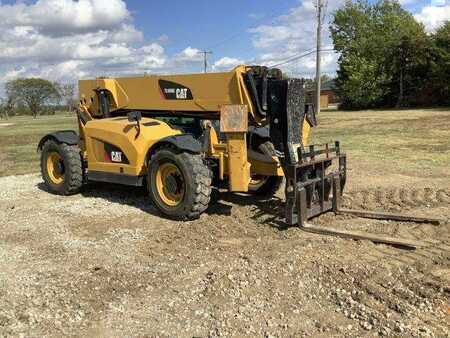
(384, 57)
(440, 78)
(405, 53)
(34, 93)
(350, 30)
(359, 83)
(310, 84)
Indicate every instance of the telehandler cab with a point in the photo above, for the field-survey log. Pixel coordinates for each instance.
(178, 134)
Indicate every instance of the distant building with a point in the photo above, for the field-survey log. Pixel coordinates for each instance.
(327, 94)
(328, 89)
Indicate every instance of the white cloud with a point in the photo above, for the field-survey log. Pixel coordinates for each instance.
(226, 63)
(14, 73)
(189, 60)
(188, 54)
(433, 16)
(256, 16)
(65, 16)
(293, 34)
(41, 48)
(65, 40)
(152, 56)
(267, 36)
(127, 34)
(64, 71)
(407, 2)
(164, 38)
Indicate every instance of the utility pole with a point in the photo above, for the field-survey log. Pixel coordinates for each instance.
(320, 5)
(205, 59)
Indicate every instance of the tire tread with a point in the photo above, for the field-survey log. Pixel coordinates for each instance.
(201, 179)
(73, 180)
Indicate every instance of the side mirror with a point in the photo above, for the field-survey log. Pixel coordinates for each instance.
(134, 116)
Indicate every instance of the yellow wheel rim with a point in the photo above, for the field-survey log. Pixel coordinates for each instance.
(170, 184)
(257, 181)
(55, 168)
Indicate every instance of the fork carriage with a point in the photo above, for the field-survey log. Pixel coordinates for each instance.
(315, 183)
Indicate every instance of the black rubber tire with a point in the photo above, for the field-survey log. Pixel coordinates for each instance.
(269, 188)
(197, 179)
(73, 168)
(272, 183)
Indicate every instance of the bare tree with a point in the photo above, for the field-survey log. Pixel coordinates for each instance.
(2, 110)
(67, 93)
(7, 106)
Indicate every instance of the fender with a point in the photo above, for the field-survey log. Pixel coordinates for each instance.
(256, 136)
(183, 142)
(262, 132)
(69, 137)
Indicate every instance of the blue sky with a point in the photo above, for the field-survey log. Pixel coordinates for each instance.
(64, 40)
(218, 25)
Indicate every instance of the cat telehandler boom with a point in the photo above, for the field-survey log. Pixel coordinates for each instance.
(180, 134)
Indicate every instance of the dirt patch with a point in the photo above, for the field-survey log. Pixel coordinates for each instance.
(6, 125)
(104, 263)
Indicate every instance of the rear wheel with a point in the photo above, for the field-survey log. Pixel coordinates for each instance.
(61, 168)
(179, 183)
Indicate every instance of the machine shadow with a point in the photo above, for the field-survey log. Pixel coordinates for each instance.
(115, 193)
(266, 211)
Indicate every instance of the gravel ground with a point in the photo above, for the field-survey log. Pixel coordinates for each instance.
(104, 263)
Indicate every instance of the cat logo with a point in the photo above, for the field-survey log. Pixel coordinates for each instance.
(181, 93)
(174, 91)
(116, 156)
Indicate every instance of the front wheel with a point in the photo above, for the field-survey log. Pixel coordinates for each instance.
(264, 185)
(179, 183)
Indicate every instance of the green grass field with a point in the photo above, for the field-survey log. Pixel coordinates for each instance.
(18, 141)
(409, 142)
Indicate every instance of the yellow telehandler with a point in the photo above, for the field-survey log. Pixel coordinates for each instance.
(180, 134)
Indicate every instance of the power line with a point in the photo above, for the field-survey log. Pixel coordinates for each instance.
(299, 56)
(309, 52)
(293, 58)
(238, 34)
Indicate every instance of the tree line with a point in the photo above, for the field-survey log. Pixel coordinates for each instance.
(387, 59)
(34, 96)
